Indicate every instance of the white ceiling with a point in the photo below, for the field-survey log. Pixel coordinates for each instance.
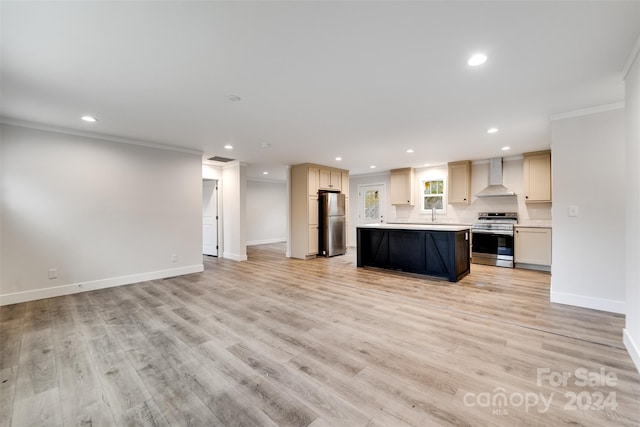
(363, 80)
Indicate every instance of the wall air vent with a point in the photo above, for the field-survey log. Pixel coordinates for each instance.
(221, 159)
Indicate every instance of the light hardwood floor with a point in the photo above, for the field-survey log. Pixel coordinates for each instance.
(283, 342)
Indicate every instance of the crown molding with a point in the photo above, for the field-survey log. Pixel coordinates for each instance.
(95, 135)
(370, 174)
(267, 180)
(587, 111)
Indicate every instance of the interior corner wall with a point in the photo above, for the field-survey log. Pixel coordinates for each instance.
(588, 170)
(632, 101)
(266, 212)
(99, 213)
(234, 202)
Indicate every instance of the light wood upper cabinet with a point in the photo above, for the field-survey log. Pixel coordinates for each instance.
(533, 246)
(336, 180)
(459, 182)
(401, 192)
(344, 178)
(330, 179)
(313, 181)
(537, 177)
(325, 178)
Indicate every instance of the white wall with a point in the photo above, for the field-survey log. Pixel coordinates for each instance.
(589, 172)
(632, 330)
(234, 222)
(266, 212)
(102, 213)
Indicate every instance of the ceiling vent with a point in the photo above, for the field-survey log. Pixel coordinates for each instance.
(221, 159)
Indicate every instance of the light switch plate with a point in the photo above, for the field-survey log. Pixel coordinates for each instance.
(572, 211)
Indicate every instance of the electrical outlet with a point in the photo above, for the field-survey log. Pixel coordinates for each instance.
(572, 211)
(174, 258)
(53, 273)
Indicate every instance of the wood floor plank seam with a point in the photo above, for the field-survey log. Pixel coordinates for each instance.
(282, 342)
(453, 309)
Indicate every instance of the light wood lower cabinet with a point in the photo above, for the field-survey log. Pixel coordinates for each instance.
(313, 225)
(533, 247)
(313, 240)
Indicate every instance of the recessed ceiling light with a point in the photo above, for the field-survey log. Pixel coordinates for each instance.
(235, 98)
(89, 119)
(477, 59)
(372, 166)
(228, 147)
(338, 158)
(410, 150)
(506, 148)
(265, 173)
(492, 130)
(427, 164)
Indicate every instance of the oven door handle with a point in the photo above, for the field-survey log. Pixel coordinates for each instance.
(496, 232)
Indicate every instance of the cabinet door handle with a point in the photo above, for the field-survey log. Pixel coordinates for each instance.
(526, 197)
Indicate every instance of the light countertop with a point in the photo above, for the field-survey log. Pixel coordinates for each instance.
(425, 227)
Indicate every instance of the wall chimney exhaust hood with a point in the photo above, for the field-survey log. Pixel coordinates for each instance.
(495, 187)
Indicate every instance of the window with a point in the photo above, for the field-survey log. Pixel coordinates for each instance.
(433, 195)
(370, 203)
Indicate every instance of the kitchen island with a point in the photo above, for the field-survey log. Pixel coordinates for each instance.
(439, 250)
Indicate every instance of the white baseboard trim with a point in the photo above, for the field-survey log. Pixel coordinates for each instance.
(602, 304)
(632, 348)
(266, 241)
(74, 288)
(234, 257)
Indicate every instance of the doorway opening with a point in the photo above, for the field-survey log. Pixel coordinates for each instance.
(210, 217)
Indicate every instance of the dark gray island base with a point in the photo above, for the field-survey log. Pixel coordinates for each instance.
(441, 251)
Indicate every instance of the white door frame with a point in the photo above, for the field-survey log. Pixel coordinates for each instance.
(383, 201)
(212, 249)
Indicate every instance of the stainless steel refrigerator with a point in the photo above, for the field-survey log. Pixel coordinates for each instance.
(332, 224)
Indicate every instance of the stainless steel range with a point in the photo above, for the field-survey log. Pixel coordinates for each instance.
(492, 238)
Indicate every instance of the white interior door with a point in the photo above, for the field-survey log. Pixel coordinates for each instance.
(210, 217)
(371, 205)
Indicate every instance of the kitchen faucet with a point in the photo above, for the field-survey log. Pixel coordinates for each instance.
(433, 214)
